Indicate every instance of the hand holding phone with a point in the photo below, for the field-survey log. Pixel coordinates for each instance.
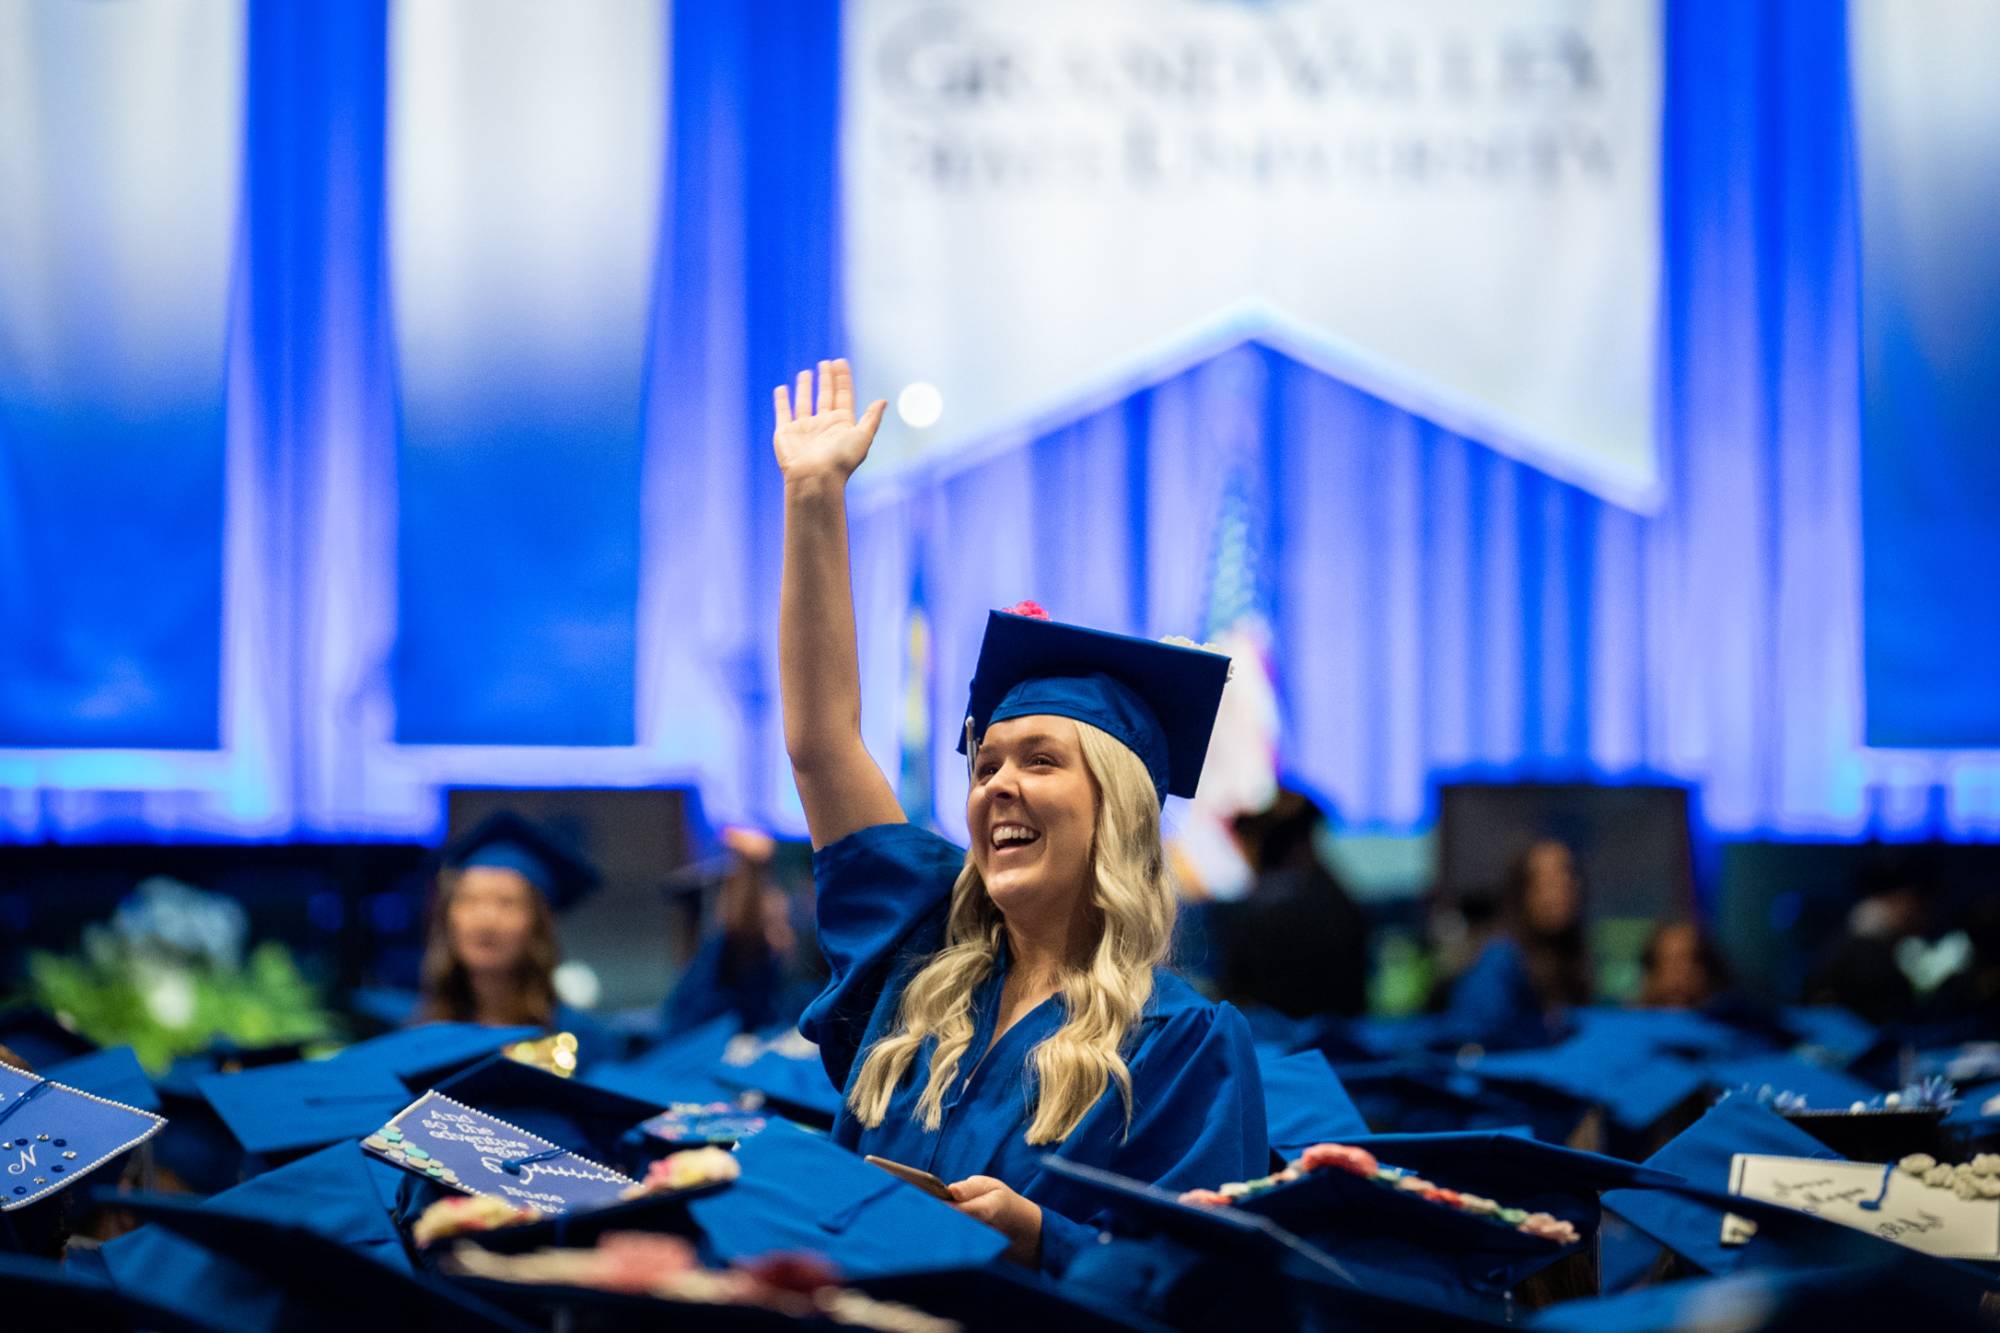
(910, 1175)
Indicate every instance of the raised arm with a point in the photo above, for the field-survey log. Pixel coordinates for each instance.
(818, 448)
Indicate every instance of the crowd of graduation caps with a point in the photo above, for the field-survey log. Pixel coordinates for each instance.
(252, 1208)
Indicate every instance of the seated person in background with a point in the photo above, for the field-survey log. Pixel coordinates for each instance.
(1536, 965)
(491, 953)
(757, 965)
(1683, 969)
(992, 1006)
(1296, 943)
(1894, 892)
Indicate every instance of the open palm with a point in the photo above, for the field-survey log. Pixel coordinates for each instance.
(823, 438)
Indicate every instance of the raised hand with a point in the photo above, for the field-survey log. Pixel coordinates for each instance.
(821, 438)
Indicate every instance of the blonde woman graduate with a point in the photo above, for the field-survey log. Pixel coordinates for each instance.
(991, 1006)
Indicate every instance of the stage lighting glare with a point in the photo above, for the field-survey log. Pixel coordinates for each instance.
(920, 404)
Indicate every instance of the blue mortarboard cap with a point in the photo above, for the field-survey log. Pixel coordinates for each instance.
(114, 1073)
(1157, 699)
(1701, 1155)
(1304, 1102)
(339, 1192)
(384, 1006)
(1977, 1114)
(317, 1281)
(1823, 1088)
(789, 1074)
(590, 1121)
(1000, 1298)
(39, 1038)
(799, 1191)
(1401, 1237)
(1687, 1033)
(1840, 1031)
(1886, 1294)
(1238, 1265)
(422, 1056)
(283, 1109)
(679, 1069)
(1636, 1084)
(509, 842)
(41, 1293)
(52, 1136)
(1188, 1284)
(1430, 1096)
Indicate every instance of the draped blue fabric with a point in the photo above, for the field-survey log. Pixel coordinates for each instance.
(1434, 606)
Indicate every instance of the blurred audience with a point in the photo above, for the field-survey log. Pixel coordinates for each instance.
(1533, 964)
(759, 962)
(1296, 943)
(1682, 968)
(1895, 894)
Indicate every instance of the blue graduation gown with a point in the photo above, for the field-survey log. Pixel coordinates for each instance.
(758, 991)
(1494, 1003)
(1197, 1104)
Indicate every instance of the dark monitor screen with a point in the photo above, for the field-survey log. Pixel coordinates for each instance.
(1631, 842)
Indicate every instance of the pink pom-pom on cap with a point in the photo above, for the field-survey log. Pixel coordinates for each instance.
(1032, 610)
(1338, 1155)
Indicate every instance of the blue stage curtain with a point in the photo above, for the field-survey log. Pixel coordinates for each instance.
(119, 125)
(1434, 606)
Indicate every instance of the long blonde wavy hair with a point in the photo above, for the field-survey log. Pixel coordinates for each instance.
(1132, 903)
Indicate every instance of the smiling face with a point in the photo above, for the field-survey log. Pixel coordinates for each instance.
(491, 919)
(1032, 814)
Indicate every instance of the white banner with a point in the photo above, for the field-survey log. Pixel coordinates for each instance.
(1450, 203)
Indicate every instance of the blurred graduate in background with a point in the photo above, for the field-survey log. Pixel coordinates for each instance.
(1534, 964)
(492, 949)
(1296, 943)
(759, 962)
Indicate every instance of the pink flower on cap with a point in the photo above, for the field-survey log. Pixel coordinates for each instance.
(1359, 1161)
(1206, 1198)
(1032, 610)
(1549, 1228)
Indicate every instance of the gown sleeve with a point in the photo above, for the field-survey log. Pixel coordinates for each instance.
(883, 894)
(1197, 1121)
(1495, 1003)
(743, 980)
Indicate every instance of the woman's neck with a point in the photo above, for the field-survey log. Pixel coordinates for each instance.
(1042, 951)
(495, 998)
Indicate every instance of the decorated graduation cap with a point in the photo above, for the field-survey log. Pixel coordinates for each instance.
(507, 841)
(1692, 1227)
(1157, 699)
(52, 1136)
(592, 1121)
